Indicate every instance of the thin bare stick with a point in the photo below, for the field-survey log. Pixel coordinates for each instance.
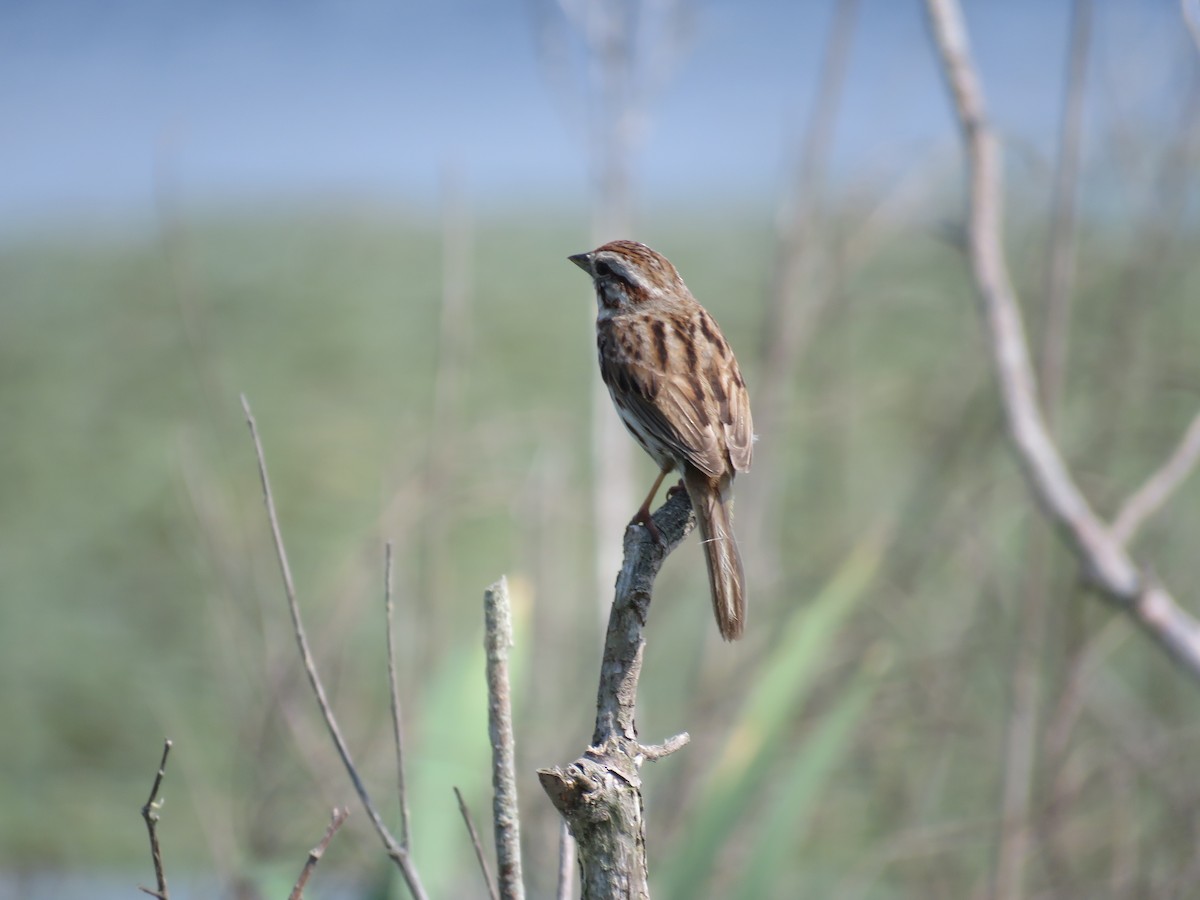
(1105, 562)
(655, 752)
(150, 815)
(315, 854)
(566, 863)
(1158, 488)
(483, 866)
(497, 639)
(398, 854)
(397, 719)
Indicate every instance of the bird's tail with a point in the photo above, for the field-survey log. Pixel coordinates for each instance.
(712, 501)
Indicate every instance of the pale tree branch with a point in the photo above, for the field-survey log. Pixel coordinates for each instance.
(498, 638)
(599, 795)
(1104, 560)
(394, 849)
(1157, 489)
(314, 855)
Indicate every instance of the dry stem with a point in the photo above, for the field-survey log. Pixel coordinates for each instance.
(488, 880)
(497, 617)
(150, 815)
(1106, 563)
(315, 854)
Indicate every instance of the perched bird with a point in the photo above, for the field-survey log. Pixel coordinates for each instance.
(676, 385)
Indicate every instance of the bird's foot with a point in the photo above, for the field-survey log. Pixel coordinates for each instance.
(644, 518)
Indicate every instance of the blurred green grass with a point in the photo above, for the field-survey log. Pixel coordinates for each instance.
(141, 596)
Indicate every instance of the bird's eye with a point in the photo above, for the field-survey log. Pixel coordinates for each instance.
(602, 269)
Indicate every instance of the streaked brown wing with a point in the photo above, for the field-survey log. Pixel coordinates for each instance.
(669, 406)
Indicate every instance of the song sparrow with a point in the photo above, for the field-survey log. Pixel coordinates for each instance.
(678, 390)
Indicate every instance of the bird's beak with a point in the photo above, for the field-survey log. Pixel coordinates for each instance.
(583, 260)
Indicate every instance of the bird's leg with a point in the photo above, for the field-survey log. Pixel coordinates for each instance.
(675, 488)
(642, 516)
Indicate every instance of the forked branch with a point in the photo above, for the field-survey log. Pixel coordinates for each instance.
(1104, 559)
(394, 848)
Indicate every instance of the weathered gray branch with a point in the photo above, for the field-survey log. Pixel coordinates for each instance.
(497, 638)
(599, 794)
(1105, 562)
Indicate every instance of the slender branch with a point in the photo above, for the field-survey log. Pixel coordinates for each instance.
(314, 855)
(150, 815)
(488, 880)
(497, 617)
(397, 719)
(599, 795)
(566, 863)
(1157, 489)
(655, 752)
(397, 852)
(1105, 562)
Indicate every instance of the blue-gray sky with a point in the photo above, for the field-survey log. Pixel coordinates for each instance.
(237, 101)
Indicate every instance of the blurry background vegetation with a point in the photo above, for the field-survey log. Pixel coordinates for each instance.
(421, 373)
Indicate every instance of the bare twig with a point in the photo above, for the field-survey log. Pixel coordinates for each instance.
(398, 853)
(497, 637)
(566, 863)
(1105, 562)
(315, 854)
(655, 752)
(150, 815)
(599, 794)
(397, 719)
(483, 866)
(1150, 497)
